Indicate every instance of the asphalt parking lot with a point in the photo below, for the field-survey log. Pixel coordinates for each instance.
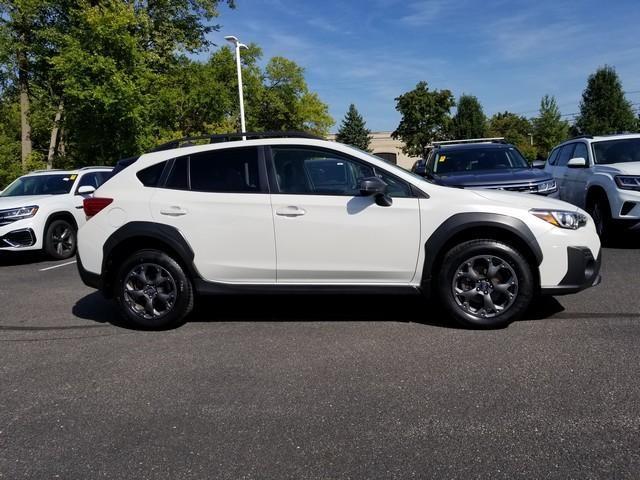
(317, 387)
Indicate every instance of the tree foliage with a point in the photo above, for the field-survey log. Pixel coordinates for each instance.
(110, 79)
(548, 128)
(515, 129)
(469, 120)
(604, 108)
(353, 130)
(426, 116)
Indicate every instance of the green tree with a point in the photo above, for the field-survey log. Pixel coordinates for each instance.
(515, 129)
(282, 101)
(469, 120)
(548, 128)
(604, 108)
(426, 116)
(353, 130)
(61, 55)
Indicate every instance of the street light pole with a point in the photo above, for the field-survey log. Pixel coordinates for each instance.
(238, 46)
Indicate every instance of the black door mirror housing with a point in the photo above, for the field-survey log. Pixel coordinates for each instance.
(374, 186)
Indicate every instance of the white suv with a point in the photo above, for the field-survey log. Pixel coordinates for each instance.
(304, 215)
(601, 175)
(43, 210)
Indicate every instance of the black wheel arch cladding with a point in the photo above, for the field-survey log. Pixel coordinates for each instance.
(461, 222)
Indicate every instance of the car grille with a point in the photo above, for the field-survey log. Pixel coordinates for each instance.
(520, 187)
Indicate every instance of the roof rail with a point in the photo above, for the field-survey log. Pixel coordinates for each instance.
(44, 170)
(470, 140)
(90, 167)
(229, 137)
(578, 137)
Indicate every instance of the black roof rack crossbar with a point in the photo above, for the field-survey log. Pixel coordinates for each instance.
(230, 137)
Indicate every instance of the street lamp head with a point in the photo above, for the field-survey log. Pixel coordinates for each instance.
(231, 39)
(243, 46)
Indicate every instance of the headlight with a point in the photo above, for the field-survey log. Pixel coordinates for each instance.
(628, 182)
(547, 187)
(13, 214)
(561, 218)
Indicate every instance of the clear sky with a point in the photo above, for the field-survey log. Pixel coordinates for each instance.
(506, 52)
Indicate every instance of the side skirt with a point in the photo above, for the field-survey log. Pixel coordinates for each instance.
(203, 287)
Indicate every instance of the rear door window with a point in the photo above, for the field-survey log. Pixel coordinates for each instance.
(225, 171)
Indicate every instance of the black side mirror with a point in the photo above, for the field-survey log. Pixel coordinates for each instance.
(374, 186)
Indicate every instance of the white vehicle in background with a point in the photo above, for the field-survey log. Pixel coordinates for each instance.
(43, 210)
(602, 175)
(304, 215)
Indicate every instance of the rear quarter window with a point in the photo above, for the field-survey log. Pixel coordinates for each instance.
(150, 176)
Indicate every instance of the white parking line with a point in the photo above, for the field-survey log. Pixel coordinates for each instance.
(56, 266)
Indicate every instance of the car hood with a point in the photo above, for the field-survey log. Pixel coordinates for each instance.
(523, 200)
(625, 168)
(22, 201)
(514, 176)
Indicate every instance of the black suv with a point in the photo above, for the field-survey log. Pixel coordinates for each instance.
(490, 163)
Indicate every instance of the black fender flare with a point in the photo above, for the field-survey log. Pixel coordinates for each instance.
(164, 233)
(464, 221)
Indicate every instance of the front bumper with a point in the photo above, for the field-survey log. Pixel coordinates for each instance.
(583, 271)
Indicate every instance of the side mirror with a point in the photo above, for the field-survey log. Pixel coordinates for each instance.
(86, 190)
(374, 186)
(577, 162)
(538, 164)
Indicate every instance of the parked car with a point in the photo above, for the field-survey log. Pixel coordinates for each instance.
(602, 175)
(304, 215)
(419, 167)
(43, 210)
(486, 163)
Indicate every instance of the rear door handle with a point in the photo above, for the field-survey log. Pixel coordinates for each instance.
(291, 211)
(173, 211)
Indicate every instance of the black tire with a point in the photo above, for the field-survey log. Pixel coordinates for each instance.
(153, 276)
(600, 211)
(60, 239)
(509, 283)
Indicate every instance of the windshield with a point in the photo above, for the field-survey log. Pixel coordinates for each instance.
(451, 162)
(617, 151)
(40, 185)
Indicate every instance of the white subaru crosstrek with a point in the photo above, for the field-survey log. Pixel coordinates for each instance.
(305, 215)
(602, 175)
(43, 210)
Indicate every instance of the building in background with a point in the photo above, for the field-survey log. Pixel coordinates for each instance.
(386, 147)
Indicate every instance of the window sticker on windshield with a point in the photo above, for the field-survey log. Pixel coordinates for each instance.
(73, 177)
(442, 158)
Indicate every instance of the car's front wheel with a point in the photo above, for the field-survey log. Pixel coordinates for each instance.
(601, 214)
(153, 291)
(60, 239)
(485, 283)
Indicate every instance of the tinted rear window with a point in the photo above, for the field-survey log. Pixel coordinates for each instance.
(150, 176)
(227, 170)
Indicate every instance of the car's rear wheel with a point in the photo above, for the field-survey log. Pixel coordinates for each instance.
(60, 239)
(153, 291)
(485, 283)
